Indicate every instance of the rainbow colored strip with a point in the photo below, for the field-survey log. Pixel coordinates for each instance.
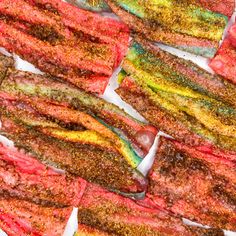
(179, 98)
(184, 25)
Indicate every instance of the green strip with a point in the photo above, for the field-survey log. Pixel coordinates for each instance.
(178, 16)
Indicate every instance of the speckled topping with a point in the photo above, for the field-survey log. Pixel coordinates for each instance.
(194, 185)
(95, 165)
(73, 44)
(25, 218)
(43, 111)
(68, 105)
(173, 100)
(181, 24)
(225, 7)
(24, 177)
(121, 216)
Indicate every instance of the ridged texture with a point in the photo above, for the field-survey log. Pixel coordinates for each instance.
(73, 44)
(194, 185)
(69, 105)
(22, 218)
(23, 177)
(121, 216)
(224, 61)
(97, 136)
(180, 98)
(185, 25)
(108, 169)
(68, 128)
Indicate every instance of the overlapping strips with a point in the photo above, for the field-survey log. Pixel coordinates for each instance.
(73, 44)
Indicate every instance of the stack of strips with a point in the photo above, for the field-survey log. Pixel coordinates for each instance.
(117, 215)
(74, 149)
(35, 197)
(181, 99)
(67, 42)
(64, 126)
(106, 212)
(186, 25)
(193, 177)
(195, 26)
(59, 133)
(225, 7)
(194, 185)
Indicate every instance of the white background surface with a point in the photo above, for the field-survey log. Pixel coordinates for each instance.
(111, 96)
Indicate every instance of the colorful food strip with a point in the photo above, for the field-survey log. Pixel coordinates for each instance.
(72, 44)
(194, 185)
(178, 97)
(76, 140)
(18, 217)
(96, 137)
(69, 105)
(74, 149)
(224, 61)
(93, 164)
(117, 215)
(93, 200)
(184, 25)
(24, 177)
(225, 7)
